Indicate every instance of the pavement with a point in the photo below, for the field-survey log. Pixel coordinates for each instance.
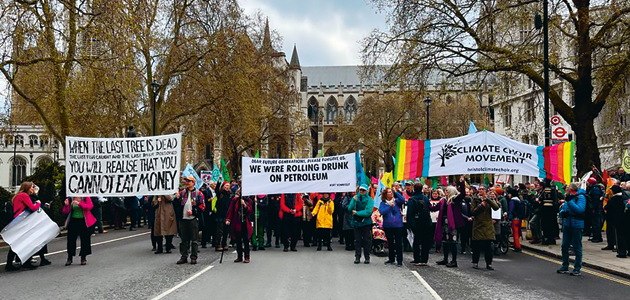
(123, 266)
(593, 256)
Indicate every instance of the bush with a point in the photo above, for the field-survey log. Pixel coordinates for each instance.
(50, 179)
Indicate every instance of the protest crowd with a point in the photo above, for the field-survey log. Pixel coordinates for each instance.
(415, 216)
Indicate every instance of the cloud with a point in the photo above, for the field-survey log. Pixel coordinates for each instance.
(326, 32)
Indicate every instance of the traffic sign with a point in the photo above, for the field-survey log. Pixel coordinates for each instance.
(560, 132)
(555, 120)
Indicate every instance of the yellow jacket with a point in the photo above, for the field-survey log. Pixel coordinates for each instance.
(323, 211)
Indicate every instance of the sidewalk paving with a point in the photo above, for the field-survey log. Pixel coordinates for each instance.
(592, 256)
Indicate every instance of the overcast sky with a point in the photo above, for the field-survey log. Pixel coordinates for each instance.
(326, 32)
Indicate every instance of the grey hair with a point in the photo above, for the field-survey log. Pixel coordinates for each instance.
(451, 191)
(574, 186)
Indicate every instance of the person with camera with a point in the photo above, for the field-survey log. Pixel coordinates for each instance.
(419, 220)
(572, 213)
(324, 215)
(290, 216)
(188, 207)
(361, 207)
(483, 229)
(238, 218)
(391, 210)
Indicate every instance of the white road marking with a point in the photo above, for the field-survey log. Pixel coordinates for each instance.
(427, 286)
(96, 244)
(162, 295)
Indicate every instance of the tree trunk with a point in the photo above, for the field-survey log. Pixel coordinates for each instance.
(587, 153)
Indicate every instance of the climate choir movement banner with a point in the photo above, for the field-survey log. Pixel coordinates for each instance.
(482, 152)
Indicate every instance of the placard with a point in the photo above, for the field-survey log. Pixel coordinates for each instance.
(119, 167)
(308, 175)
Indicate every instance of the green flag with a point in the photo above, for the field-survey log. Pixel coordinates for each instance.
(257, 154)
(486, 180)
(434, 184)
(322, 152)
(224, 171)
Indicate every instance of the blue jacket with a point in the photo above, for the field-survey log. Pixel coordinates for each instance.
(574, 205)
(392, 216)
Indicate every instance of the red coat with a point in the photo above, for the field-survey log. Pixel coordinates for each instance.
(233, 216)
(86, 205)
(21, 202)
(299, 203)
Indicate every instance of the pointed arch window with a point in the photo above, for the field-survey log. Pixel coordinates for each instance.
(350, 109)
(331, 110)
(18, 170)
(313, 109)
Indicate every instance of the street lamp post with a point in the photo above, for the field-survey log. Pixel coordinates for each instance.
(292, 137)
(544, 24)
(31, 155)
(155, 88)
(427, 101)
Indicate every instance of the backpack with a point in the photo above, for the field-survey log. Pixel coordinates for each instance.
(421, 212)
(522, 208)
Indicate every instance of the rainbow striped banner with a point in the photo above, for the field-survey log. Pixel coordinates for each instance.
(412, 157)
(556, 162)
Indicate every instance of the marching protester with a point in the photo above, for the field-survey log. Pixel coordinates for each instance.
(78, 224)
(465, 232)
(534, 221)
(483, 229)
(618, 216)
(273, 221)
(308, 224)
(209, 226)
(323, 213)
(260, 220)
(549, 212)
(290, 213)
(449, 219)
(361, 207)
(238, 218)
(595, 192)
(187, 208)
(224, 197)
(348, 230)
(165, 225)
(21, 202)
(434, 205)
(516, 214)
(119, 211)
(391, 210)
(572, 213)
(419, 220)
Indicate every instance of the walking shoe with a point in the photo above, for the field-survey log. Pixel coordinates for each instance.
(622, 256)
(476, 266)
(608, 248)
(153, 249)
(442, 262)
(535, 241)
(329, 248)
(293, 249)
(286, 249)
(517, 250)
(452, 264)
(159, 252)
(389, 262)
(10, 267)
(132, 229)
(29, 266)
(596, 241)
(576, 273)
(69, 261)
(84, 262)
(182, 261)
(367, 261)
(246, 261)
(399, 264)
(319, 247)
(238, 260)
(262, 248)
(268, 245)
(562, 270)
(44, 262)
(489, 267)
(254, 248)
(277, 246)
(357, 261)
(193, 261)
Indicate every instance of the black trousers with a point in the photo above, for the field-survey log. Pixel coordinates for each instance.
(324, 236)
(611, 235)
(362, 240)
(78, 228)
(422, 242)
(549, 224)
(622, 239)
(189, 235)
(273, 227)
(208, 231)
(486, 245)
(308, 230)
(290, 230)
(242, 242)
(395, 243)
(465, 234)
(350, 236)
(134, 217)
(160, 239)
(220, 237)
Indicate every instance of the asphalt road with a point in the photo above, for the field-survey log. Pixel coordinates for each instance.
(123, 267)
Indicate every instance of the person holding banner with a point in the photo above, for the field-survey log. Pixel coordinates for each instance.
(187, 209)
(165, 225)
(449, 219)
(21, 202)
(35, 198)
(308, 225)
(290, 213)
(323, 211)
(391, 211)
(239, 219)
(79, 222)
(361, 208)
(483, 232)
(273, 222)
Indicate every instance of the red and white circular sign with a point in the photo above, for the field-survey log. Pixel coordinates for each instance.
(559, 132)
(555, 120)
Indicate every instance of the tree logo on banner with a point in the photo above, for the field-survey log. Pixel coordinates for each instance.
(626, 161)
(448, 151)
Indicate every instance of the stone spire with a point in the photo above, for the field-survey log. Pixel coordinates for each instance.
(266, 46)
(295, 61)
